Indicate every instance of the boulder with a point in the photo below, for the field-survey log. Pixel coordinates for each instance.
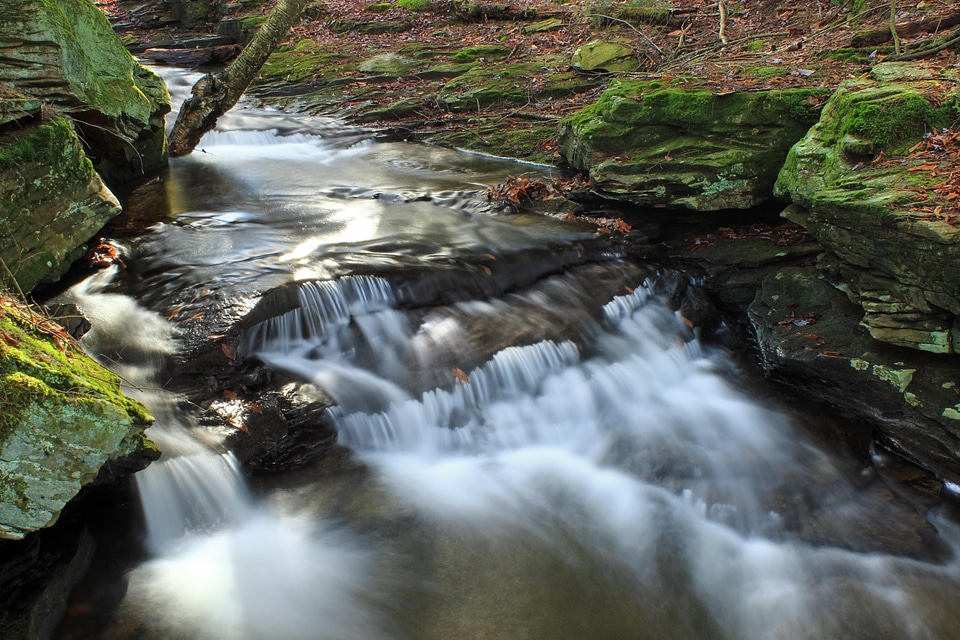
(66, 54)
(53, 202)
(601, 55)
(64, 422)
(655, 144)
(809, 337)
(857, 181)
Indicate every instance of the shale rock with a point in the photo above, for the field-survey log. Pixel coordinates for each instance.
(64, 422)
(654, 144)
(809, 336)
(66, 54)
(899, 264)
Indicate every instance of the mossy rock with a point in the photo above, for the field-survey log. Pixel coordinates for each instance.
(513, 84)
(378, 7)
(486, 52)
(373, 28)
(53, 202)
(64, 417)
(602, 55)
(550, 24)
(901, 266)
(66, 54)
(657, 145)
(388, 64)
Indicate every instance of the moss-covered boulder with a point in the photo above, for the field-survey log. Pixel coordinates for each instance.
(65, 53)
(898, 262)
(602, 55)
(659, 145)
(52, 202)
(64, 418)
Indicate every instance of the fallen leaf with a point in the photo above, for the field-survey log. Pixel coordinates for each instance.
(229, 350)
(460, 375)
(229, 395)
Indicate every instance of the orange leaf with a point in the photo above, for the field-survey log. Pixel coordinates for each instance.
(229, 350)
(486, 269)
(460, 375)
(229, 395)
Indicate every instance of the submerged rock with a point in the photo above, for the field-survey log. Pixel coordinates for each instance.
(66, 54)
(658, 145)
(54, 202)
(858, 188)
(64, 422)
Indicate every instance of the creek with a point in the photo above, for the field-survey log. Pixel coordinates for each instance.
(565, 460)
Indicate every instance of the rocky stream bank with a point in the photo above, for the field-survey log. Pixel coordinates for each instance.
(815, 213)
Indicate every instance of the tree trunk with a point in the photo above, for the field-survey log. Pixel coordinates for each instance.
(215, 94)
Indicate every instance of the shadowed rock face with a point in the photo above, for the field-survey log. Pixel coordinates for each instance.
(64, 418)
(66, 54)
(653, 144)
(902, 267)
(808, 337)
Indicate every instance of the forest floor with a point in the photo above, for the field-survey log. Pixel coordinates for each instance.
(769, 44)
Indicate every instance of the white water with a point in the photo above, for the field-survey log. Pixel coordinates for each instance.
(613, 483)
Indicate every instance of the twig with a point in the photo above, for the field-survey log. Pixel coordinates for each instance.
(642, 34)
(954, 38)
(13, 280)
(721, 5)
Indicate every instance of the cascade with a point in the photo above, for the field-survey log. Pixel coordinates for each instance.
(563, 461)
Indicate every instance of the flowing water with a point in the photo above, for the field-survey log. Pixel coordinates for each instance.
(565, 461)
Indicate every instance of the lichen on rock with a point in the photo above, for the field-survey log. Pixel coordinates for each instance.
(64, 417)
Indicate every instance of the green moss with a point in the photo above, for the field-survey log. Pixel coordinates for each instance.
(856, 55)
(45, 145)
(765, 73)
(40, 364)
(490, 136)
(514, 84)
(755, 45)
(379, 7)
(414, 5)
(885, 122)
(490, 52)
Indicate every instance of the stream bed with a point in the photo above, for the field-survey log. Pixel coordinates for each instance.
(560, 459)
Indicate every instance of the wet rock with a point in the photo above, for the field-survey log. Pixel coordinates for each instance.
(67, 55)
(809, 337)
(54, 202)
(64, 423)
(900, 266)
(653, 144)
